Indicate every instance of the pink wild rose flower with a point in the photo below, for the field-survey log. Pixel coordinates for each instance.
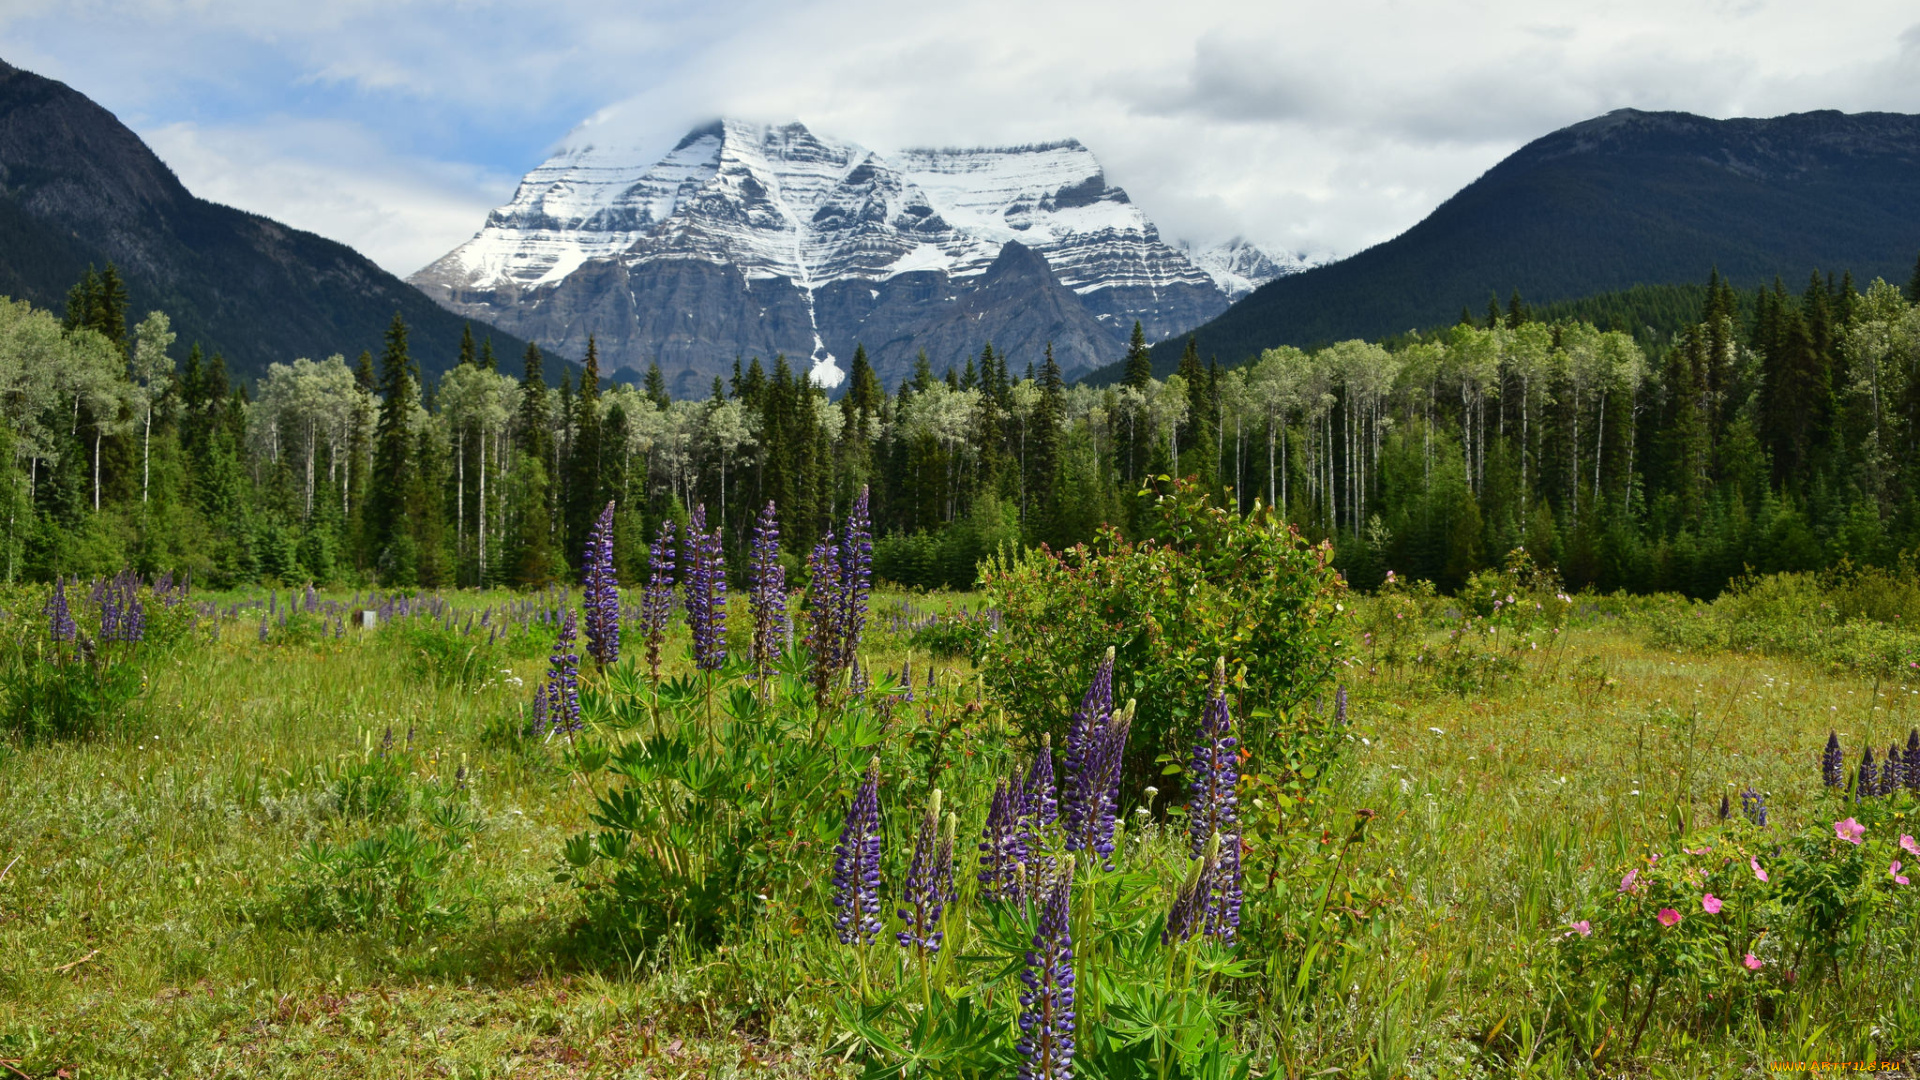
(1669, 917)
(1759, 874)
(1626, 883)
(1753, 962)
(1583, 928)
(1711, 903)
(1907, 845)
(1894, 873)
(1849, 830)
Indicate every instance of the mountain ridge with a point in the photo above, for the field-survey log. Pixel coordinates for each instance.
(839, 245)
(77, 187)
(1623, 199)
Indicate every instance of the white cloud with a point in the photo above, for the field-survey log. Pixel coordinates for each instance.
(1307, 125)
(331, 179)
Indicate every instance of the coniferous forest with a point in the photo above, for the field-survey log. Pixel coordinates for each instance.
(1779, 430)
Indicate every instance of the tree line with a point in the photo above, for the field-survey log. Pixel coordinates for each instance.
(1779, 431)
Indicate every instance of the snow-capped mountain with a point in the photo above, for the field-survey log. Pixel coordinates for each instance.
(751, 240)
(1239, 266)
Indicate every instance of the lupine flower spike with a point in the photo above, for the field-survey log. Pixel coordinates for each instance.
(1832, 764)
(1001, 849)
(767, 593)
(1190, 902)
(602, 589)
(856, 864)
(1214, 814)
(1912, 758)
(656, 603)
(60, 625)
(703, 573)
(1080, 800)
(1046, 1005)
(1866, 781)
(929, 885)
(562, 687)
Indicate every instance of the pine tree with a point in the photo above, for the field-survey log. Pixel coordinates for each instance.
(656, 385)
(1913, 286)
(488, 362)
(585, 470)
(1139, 369)
(1516, 311)
(467, 352)
(389, 537)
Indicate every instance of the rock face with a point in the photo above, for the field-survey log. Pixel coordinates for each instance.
(78, 188)
(746, 240)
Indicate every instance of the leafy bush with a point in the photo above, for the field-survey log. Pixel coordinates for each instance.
(1212, 584)
(1865, 620)
(708, 817)
(49, 698)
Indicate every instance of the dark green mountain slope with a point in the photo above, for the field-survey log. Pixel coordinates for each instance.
(78, 187)
(1628, 198)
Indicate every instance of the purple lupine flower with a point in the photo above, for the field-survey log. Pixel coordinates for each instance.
(855, 579)
(1040, 799)
(767, 592)
(562, 687)
(906, 679)
(1079, 798)
(601, 587)
(1340, 704)
(1893, 774)
(1103, 768)
(928, 888)
(539, 725)
(1832, 764)
(1866, 782)
(122, 618)
(703, 572)
(856, 864)
(1189, 910)
(1002, 849)
(60, 625)
(1912, 759)
(1754, 806)
(1046, 1005)
(857, 682)
(264, 629)
(823, 590)
(656, 603)
(1213, 813)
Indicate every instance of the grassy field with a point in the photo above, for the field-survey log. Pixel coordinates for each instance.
(148, 923)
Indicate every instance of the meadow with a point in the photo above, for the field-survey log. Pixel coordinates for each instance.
(306, 848)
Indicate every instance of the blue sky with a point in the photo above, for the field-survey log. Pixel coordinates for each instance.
(394, 126)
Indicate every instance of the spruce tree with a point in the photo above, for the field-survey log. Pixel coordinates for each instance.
(586, 482)
(1139, 370)
(656, 385)
(1913, 286)
(389, 538)
(1516, 311)
(468, 354)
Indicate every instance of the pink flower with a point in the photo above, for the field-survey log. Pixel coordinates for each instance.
(1702, 851)
(1849, 830)
(1711, 903)
(1626, 883)
(1757, 872)
(1669, 917)
(1753, 962)
(1583, 928)
(1907, 845)
(1894, 873)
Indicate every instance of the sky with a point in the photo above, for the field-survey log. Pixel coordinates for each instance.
(395, 125)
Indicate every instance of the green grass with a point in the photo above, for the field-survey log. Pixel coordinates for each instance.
(143, 929)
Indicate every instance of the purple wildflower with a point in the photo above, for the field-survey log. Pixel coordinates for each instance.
(1340, 704)
(856, 864)
(1079, 799)
(1189, 910)
(1832, 764)
(1893, 775)
(60, 625)
(1002, 844)
(1040, 798)
(1867, 781)
(562, 687)
(656, 603)
(767, 592)
(928, 888)
(1213, 816)
(841, 581)
(602, 593)
(1754, 806)
(703, 571)
(1912, 759)
(1046, 1005)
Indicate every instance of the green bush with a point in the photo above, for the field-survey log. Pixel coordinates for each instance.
(49, 698)
(1212, 584)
